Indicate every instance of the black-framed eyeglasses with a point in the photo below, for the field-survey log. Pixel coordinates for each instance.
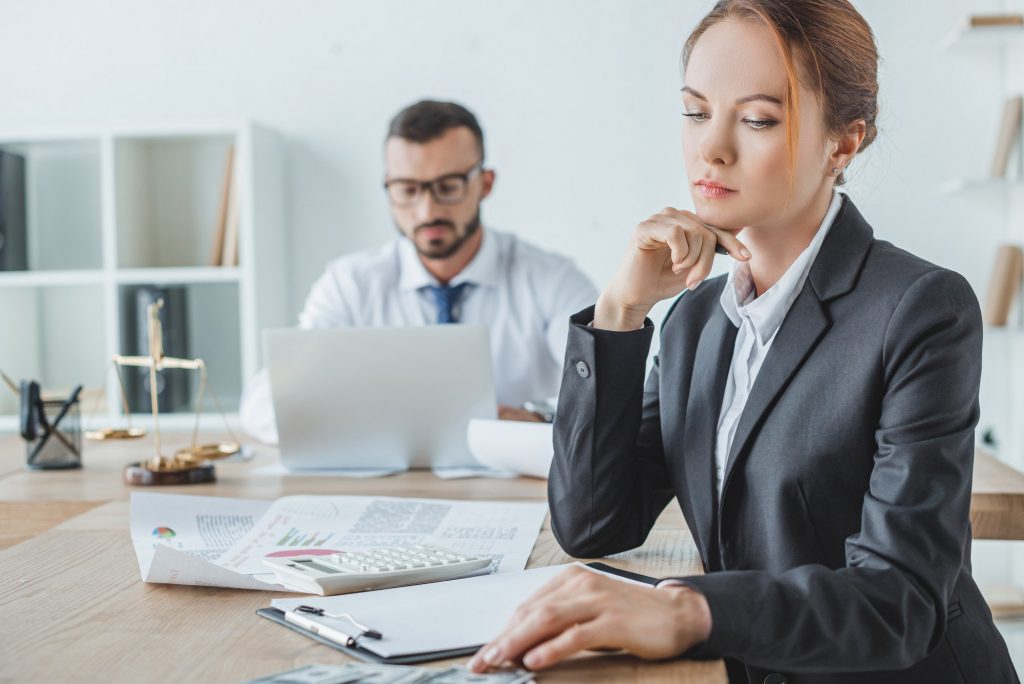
(447, 189)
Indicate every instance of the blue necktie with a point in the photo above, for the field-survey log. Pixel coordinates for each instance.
(447, 298)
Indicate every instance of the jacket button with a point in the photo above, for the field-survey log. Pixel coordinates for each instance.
(582, 369)
(775, 678)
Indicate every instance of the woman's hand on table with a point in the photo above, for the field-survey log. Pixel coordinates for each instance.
(581, 610)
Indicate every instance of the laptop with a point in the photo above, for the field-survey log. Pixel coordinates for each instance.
(379, 398)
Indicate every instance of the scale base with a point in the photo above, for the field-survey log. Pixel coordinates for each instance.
(141, 475)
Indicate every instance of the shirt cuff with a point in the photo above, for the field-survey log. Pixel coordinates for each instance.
(670, 582)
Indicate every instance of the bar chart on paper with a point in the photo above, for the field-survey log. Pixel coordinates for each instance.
(301, 543)
(295, 537)
(319, 525)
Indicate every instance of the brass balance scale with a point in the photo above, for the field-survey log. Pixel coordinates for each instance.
(188, 465)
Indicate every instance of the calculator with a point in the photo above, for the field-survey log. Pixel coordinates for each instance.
(345, 572)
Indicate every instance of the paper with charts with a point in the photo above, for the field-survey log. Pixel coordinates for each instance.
(221, 542)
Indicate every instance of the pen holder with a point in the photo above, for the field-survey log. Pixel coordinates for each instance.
(61, 446)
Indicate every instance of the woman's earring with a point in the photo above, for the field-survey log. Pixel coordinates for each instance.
(835, 170)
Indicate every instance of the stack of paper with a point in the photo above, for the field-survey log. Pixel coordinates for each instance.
(222, 542)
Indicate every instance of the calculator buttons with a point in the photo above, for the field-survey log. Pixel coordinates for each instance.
(369, 568)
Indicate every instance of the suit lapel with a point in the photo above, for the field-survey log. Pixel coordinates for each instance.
(804, 325)
(833, 274)
(707, 386)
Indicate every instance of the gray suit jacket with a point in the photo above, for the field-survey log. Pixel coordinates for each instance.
(839, 550)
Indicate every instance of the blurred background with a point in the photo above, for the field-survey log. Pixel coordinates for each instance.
(130, 115)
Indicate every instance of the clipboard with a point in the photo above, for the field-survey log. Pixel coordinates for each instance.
(356, 651)
(275, 615)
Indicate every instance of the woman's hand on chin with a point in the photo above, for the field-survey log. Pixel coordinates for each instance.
(582, 610)
(669, 252)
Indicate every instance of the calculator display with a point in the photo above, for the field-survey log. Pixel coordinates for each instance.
(318, 567)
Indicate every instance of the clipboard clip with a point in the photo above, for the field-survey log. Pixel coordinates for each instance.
(364, 631)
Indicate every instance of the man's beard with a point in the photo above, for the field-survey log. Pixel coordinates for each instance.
(442, 251)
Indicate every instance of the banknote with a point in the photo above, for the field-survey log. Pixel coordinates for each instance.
(460, 675)
(372, 673)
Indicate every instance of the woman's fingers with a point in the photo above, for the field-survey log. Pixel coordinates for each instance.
(658, 233)
(669, 252)
(551, 586)
(695, 241)
(737, 250)
(548, 619)
(566, 600)
(580, 637)
(702, 268)
(590, 612)
(684, 234)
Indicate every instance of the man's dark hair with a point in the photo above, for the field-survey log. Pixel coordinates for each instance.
(429, 119)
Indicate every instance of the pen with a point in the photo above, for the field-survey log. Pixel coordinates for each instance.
(72, 398)
(326, 631)
(366, 631)
(9, 383)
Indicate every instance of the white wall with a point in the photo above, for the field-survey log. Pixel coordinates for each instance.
(579, 100)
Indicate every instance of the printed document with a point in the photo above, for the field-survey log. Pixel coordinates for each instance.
(215, 541)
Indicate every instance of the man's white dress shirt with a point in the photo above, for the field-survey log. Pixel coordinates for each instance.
(523, 294)
(758, 320)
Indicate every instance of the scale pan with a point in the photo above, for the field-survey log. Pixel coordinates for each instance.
(115, 433)
(207, 452)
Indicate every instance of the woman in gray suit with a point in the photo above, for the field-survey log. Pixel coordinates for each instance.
(813, 411)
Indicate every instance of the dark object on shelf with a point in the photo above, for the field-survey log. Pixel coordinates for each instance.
(174, 390)
(51, 429)
(13, 214)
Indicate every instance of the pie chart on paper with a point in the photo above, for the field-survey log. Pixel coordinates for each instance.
(164, 533)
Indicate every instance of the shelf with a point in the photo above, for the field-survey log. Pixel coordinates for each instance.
(168, 193)
(173, 276)
(983, 37)
(110, 210)
(62, 180)
(200, 320)
(129, 276)
(210, 423)
(49, 278)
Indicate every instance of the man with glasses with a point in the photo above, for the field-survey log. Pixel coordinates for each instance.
(446, 268)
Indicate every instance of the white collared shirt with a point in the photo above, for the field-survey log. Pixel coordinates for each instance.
(522, 293)
(758, 320)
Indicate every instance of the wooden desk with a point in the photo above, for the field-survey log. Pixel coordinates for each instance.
(98, 620)
(997, 504)
(997, 499)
